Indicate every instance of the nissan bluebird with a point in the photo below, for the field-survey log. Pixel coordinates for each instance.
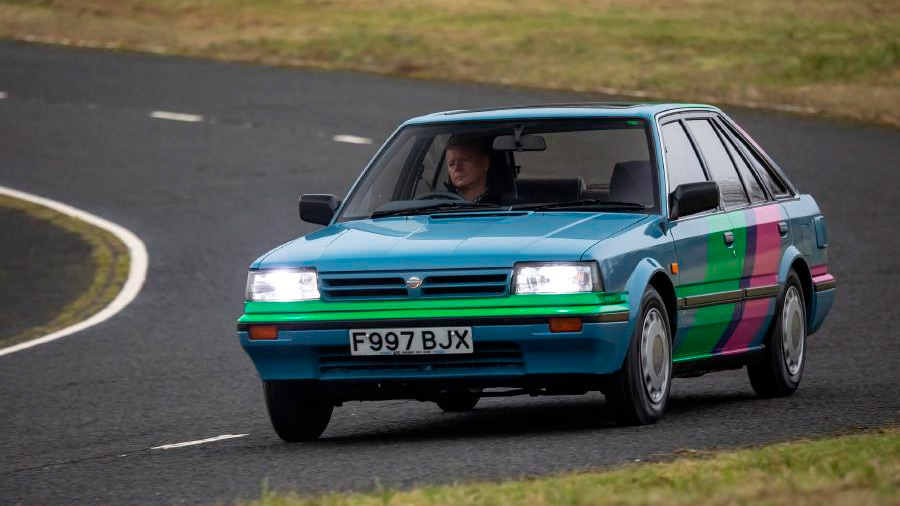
(542, 250)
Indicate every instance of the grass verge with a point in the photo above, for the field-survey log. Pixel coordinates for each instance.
(862, 469)
(840, 57)
(55, 271)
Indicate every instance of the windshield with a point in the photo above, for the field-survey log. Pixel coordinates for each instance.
(548, 165)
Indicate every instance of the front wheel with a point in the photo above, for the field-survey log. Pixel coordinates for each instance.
(639, 391)
(298, 412)
(778, 372)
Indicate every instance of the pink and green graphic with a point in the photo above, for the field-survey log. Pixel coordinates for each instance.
(733, 327)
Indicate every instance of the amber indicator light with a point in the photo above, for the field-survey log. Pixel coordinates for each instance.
(260, 332)
(565, 324)
(674, 267)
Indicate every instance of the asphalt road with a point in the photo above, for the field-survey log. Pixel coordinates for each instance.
(78, 416)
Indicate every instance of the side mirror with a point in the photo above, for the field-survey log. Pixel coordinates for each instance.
(317, 208)
(690, 198)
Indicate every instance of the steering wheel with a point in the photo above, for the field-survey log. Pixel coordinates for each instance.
(441, 196)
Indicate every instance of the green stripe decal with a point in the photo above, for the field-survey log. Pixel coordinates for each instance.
(692, 357)
(707, 324)
(514, 305)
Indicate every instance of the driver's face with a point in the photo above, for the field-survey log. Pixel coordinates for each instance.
(468, 167)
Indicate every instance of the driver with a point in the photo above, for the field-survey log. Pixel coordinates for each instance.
(468, 163)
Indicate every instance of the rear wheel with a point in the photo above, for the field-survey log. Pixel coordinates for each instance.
(460, 399)
(639, 391)
(298, 411)
(778, 372)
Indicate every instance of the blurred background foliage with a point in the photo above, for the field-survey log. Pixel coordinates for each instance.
(836, 57)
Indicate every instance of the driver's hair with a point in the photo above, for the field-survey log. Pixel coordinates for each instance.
(463, 141)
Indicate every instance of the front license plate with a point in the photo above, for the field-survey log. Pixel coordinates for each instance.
(417, 341)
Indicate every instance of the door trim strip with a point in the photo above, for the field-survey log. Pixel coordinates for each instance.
(728, 297)
(761, 292)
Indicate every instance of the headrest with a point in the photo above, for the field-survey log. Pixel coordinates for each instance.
(632, 182)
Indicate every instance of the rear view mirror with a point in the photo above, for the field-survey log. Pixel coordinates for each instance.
(690, 198)
(519, 143)
(318, 208)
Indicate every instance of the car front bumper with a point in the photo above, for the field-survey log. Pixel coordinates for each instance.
(505, 349)
(510, 341)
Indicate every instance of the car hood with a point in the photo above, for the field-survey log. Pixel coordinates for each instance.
(448, 241)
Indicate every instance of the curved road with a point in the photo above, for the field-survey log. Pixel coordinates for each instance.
(78, 416)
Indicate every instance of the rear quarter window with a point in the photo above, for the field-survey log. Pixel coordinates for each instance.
(751, 180)
(769, 178)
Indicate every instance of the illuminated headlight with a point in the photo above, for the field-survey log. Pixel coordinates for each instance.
(556, 278)
(282, 285)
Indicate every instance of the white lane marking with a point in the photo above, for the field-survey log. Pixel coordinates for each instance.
(176, 116)
(351, 139)
(137, 269)
(3, 95)
(198, 442)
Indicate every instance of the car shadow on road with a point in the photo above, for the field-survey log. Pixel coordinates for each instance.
(699, 404)
(565, 415)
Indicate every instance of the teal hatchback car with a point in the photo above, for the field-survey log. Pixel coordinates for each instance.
(542, 250)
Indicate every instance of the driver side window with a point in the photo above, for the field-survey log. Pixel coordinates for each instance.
(433, 171)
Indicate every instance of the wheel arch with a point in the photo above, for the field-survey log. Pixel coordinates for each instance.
(662, 284)
(793, 260)
(802, 269)
(649, 272)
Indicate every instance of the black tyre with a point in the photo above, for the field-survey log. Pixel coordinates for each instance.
(460, 399)
(778, 372)
(298, 412)
(639, 391)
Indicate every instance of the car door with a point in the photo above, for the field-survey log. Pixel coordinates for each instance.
(762, 235)
(709, 274)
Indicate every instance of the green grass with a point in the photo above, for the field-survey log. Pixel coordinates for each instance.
(841, 57)
(855, 470)
(106, 262)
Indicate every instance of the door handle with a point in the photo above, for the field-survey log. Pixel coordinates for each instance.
(729, 238)
(783, 228)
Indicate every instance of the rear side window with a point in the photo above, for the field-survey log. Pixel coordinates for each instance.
(751, 183)
(772, 182)
(719, 163)
(681, 159)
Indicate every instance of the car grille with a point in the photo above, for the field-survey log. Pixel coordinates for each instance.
(434, 284)
(337, 361)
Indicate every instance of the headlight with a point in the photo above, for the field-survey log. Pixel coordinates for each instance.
(282, 285)
(556, 278)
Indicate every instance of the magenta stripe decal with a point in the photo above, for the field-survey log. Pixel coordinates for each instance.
(768, 246)
(764, 247)
(818, 270)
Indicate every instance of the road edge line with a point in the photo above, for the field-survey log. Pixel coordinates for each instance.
(137, 267)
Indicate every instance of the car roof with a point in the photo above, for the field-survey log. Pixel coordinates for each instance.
(557, 111)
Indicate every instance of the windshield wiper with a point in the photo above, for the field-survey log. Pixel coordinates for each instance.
(444, 206)
(586, 203)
